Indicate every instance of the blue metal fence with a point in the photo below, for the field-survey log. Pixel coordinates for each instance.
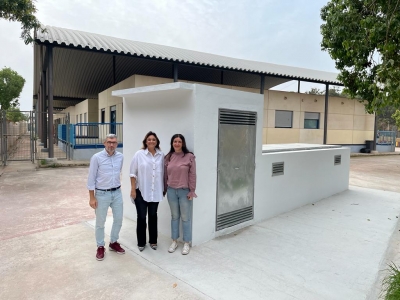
(88, 135)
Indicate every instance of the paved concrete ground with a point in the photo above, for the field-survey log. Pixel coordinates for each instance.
(334, 249)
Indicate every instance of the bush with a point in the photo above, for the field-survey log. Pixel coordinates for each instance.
(391, 283)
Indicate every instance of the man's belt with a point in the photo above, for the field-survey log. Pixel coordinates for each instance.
(109, 190)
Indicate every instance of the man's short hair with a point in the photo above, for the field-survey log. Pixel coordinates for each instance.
(110, 136)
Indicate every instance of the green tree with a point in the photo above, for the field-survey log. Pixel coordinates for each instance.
(396, 118)
(315, 91)
(362, 37)
(384, 118)
(22, 11)
(11, 84)
(333, 92)
(15, 115)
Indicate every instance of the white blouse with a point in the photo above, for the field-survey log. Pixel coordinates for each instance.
(149, 172)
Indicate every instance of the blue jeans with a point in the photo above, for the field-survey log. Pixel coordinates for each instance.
(105, 200)
(180, 207)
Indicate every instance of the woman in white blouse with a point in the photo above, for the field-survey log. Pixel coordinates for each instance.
(146, 173)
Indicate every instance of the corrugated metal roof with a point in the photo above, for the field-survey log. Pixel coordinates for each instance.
(85, 40)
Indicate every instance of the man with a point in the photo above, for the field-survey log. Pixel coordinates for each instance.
(104, 187)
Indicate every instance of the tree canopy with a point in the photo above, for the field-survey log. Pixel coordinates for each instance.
(363, 38)
(11, 84)
(333, 92)
(22, 11)
(15, 115)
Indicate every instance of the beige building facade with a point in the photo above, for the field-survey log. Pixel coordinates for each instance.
(289, 117)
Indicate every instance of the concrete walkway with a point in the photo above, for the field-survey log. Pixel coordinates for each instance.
(334, 249)
(330, 250)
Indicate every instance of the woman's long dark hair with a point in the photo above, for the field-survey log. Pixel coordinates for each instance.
(172, 150)
(145, 139)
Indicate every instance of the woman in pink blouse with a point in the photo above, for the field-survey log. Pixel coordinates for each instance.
(180, 185)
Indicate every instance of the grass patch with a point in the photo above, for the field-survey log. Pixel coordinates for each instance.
(391, 283)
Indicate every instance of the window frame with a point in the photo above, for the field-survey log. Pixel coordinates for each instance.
(291, 118)
(314, 119)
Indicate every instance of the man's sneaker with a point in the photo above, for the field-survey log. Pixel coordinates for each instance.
(186, 249)
(100, 253)
(173, 247)
(141, 248)
(116, 247)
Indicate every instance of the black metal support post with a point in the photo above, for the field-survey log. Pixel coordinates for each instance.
(38, 128)
(44, 110)
(326, 113)
(175, 72)
(262, 84)
(375, 132)
(50, 108)
(114, 58)
(4, 136)
(298, 86)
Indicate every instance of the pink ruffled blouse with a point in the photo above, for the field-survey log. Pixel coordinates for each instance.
(180, 172)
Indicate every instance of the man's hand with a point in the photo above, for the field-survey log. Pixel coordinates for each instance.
(93, 203)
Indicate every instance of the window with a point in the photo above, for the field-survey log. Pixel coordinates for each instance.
(85, 118)
(311, 120)
(103, 115)
(283, 119)
(113, 118)
(76, 119)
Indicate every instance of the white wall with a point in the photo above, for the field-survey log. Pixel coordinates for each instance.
(208, 101)
(164, 112)
(309, 176)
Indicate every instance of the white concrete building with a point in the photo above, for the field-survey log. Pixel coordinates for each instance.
(239, 181)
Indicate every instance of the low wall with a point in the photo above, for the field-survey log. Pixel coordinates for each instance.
(83, 154)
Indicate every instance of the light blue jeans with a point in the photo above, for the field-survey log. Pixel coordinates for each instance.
(105, 200)
(180, 207)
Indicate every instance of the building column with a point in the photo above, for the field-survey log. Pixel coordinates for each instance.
(44, 110)
(50, 105)
(175, 72)
(326, 113)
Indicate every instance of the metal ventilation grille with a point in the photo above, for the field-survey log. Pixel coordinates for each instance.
(238, 117)
(234, 217)
(278, 168)
(338, 160)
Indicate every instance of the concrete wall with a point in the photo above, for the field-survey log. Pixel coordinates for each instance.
(106, 100)
(348, 123)
(165, 113)
(309, 176)
(83, 154)
(192, 110)
(88, 106)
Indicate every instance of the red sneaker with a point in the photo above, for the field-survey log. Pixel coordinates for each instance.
(100, 253)
(117, 248)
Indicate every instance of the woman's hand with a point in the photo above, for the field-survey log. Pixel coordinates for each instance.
(133, 194)
(190, 198)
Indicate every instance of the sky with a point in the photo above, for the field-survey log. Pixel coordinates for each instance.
(285, 32)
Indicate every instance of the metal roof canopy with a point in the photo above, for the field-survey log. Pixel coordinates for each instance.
(71, 66)
(86, 64)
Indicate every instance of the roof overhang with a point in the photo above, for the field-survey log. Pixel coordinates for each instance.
(85, 64)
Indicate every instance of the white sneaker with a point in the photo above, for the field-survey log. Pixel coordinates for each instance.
(173, 247)
(186, 249)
